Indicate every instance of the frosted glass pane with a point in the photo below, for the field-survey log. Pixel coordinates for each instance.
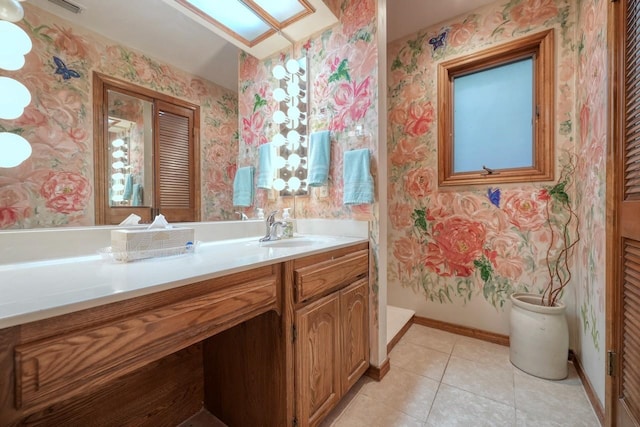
(281, 9)
(493, 118)
(234, 15)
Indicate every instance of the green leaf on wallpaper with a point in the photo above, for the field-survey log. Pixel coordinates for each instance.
(558, 193)
(486, 271)
(236, 136)
(565, 127)
(363, 35)
(225, 109)
(258, 102)
(341, 73)
(419, 217)
(396, 64)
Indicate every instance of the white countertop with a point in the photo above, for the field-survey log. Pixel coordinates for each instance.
(38, 290)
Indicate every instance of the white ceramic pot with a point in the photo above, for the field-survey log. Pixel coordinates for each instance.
(539, 337)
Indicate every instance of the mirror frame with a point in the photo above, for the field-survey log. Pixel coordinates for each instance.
(102, 83)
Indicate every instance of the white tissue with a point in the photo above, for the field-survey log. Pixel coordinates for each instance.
(132, 219)
(159, 222)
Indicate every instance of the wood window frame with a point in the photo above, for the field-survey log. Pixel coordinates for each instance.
(540, 47)
(106, 214)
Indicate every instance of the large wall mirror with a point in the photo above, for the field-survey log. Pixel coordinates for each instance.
(146, 153)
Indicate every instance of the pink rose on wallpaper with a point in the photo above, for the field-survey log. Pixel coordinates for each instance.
(142, 68)
(65, 41)
(533, 12)
(64, 105)
(32, 117)
(14, 205)
(585, 114)
(461, 33)
(398, 115)
(526, 209)
(231, 170)
(363, 59)
(215, 181)
(505, 255)
(248, 67)
(419, 120)
(362, 212)
(358, 15)
(400, 215)
(408, 151)
(66, 192)
(253, 129)
(417, 183)
(78, 135)
(352, 100)
(198, 88)
(457, 242)
(408, 252)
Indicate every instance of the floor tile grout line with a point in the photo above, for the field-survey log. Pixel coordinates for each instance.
(435, 396)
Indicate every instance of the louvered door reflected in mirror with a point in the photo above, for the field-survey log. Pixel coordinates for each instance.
(146, 149)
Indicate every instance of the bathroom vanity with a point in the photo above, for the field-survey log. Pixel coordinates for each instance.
(258, 335)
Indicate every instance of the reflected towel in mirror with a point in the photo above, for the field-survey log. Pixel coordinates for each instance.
(243, 187)
(266, 165)
(319, 158)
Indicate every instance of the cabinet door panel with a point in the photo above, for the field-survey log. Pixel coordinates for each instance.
(355, 332)
(318, 359)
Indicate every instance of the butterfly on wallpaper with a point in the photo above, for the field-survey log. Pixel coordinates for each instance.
(62, 69)
(438, 41)
(494, 196)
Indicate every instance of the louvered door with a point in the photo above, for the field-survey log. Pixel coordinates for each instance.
(627, 386)
(176, 193)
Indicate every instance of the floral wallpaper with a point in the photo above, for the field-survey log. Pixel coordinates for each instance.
(591, 107)
(470, 246)
(54, 187)
(343, 95)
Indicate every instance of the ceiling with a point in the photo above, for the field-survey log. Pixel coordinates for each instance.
(156, 28)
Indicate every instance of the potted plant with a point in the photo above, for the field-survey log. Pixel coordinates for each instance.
(539, 333)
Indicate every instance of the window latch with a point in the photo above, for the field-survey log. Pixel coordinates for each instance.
(489, 171)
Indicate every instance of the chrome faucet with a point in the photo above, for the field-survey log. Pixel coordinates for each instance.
(242, 215)
(272, 228)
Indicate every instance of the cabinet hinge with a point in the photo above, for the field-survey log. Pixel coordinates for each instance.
(294, 333)
(295, 422)
(611, 362)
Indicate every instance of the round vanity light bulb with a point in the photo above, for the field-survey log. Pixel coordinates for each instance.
(14, 97)
(14, 45)
(293, 113)
(294, 183)
(279, 140)
(118, 187)
(279, 162)
(11, 10)
(279, 72)
(280, 95)
(14, 150)
(117, 142)
(11, 62)
(118, 198)
(279, 117)
(118, 154)
(293, 137)
(292, 66)
(279, 184)
(117, 176)
(117, 165)
(294, 161)
(293, 89)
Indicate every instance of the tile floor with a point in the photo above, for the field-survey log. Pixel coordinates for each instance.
(442, 379)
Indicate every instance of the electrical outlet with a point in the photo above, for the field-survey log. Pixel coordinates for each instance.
(322, 192)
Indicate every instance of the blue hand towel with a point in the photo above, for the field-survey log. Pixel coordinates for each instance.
(358, 182)
(266, 160)
(319, 155)
(137, 198)
(128, 187)
(243, 187)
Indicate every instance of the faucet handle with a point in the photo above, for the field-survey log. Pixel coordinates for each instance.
(271, 216)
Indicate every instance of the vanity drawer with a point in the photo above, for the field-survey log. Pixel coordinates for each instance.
(326, 275)
(68, 364)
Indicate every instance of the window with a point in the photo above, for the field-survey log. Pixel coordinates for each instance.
(146, 154)
(496, 112)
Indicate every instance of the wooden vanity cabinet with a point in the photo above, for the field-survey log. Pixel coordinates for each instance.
(331, 324)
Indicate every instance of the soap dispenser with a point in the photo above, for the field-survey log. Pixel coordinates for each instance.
(260, 213)
(287, 228)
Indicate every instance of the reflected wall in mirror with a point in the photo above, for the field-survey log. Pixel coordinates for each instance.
(146, 152)
(55, 186)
